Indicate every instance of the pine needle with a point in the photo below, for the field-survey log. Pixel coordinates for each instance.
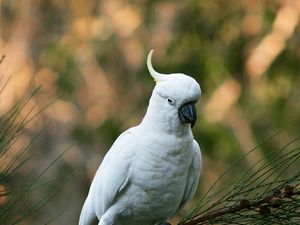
(264, 194)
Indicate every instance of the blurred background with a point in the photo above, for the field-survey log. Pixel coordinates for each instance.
(89, 58)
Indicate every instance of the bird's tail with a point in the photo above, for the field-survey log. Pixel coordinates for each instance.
(87, 215)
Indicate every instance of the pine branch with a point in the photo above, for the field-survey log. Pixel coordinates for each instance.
(267, 193)
(18, 186)
(262, 206)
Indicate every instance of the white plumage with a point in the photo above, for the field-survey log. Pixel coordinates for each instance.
(152, 169)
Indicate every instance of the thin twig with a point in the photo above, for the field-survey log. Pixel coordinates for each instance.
(2, 58)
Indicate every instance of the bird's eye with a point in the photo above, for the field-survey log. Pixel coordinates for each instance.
(171, 101)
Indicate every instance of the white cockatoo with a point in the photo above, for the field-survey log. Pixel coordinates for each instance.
(152, 170)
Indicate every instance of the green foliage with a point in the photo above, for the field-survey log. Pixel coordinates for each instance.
(60, 59)
(109, 130)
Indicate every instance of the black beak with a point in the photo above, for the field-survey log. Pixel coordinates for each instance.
(187, 113)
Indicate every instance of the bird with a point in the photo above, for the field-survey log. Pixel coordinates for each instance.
(152, 170)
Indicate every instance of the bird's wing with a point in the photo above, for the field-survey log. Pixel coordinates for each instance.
(193, 176)
(113, 174)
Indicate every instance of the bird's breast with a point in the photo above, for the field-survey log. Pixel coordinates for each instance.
(162, 163)
(159, 175)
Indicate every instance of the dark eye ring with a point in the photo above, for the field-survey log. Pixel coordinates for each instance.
(171, 101)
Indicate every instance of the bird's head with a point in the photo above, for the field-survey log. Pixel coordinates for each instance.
(174, 97)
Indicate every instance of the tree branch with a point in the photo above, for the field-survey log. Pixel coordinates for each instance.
(263, 205)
